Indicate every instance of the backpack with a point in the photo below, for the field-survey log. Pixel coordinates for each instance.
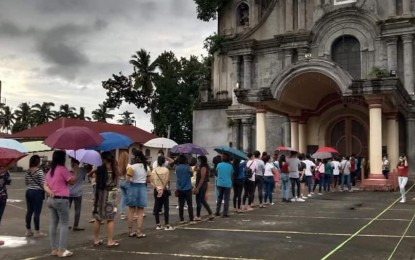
(248, 171)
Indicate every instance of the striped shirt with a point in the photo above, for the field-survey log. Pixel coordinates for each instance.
(35, 180)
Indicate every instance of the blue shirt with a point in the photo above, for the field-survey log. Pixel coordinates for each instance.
(241, 173)
(183, 177)
(225, 171)
(76, 189)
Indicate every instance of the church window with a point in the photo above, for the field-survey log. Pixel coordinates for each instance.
(243, 14)
(346, 53)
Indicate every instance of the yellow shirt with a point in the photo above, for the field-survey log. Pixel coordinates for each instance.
(163, 173)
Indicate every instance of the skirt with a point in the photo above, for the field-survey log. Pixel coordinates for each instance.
(105, 205)
(137, 195)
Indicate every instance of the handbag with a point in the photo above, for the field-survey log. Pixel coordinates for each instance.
(168, 191)
(176, 193)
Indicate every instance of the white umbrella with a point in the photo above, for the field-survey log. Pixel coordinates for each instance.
(86, 156)
(161, 142)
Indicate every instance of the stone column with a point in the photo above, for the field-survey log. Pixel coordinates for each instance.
(246, 132)
(408, 62)
(375, 134)
(261, 130)
(294, 133)
(235, 77)
(301, 14)
(287, 133)
(406, 7)
(247, 71)
(289, 15)
(410, 144)
(393, 139)
(301, 53)
(391, 49)
(288, 57)
(302, 137)
(392, 7)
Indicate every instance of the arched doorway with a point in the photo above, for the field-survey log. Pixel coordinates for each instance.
(349, 136)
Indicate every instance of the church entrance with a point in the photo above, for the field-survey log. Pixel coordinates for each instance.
(349, 137)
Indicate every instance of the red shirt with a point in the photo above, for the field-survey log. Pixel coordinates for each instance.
(403, 171)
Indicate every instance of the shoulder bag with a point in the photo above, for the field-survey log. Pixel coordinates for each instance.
(166, 189)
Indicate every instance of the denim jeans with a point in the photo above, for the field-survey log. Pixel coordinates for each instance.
(295, 182)
(78, 206)
(285, 192)
(259, 184)
(59, 218)
(308, 182)
(238, 187)
(34, 203)
(402, 183)
(201, 200)
(224, 194)
(123, 200)
(269, 187)
(347, 177)
(327, 182)
(185, 196)
(159, 202)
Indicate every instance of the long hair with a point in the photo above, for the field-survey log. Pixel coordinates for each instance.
(281, 160)
(204, 162)
(108, 157)
(58, 159)
(123, 160)
(141, 158)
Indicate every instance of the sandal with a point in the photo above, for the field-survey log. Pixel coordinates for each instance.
(115, 244)
(141, 235)
(100, 242)
(132, 234)
(66, 253)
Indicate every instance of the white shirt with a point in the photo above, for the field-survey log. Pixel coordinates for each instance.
(268, 169)
(345, 165)
(155, 164)
(336, 167)
(139, 173)
(260, 167)
(308, 165)
(254, 167)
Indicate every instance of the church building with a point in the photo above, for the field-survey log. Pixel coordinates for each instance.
(313, 73)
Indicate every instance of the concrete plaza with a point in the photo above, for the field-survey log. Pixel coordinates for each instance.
(358, 225)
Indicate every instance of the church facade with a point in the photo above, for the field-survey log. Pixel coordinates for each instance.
(313, 73)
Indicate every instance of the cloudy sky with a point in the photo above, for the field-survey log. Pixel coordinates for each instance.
(61, 50)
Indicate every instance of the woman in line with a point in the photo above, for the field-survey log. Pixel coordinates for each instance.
(35, 194)
(75, 192)
(160, 179)
(238, 183)
(328, 172)
(270, 171)
(285, 179)
(402, 177)
(224, 185)
(123, 161)
(137, 175)
(319, 176)
(184, 187)
(202, 182)
(105, 203)
(249, 185)
(56, 186)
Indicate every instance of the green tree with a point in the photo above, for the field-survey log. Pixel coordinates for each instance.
(101, 114)
(81, 114)
(67, 111)
(43, 113)
(126, 118)
(143, 71)
(7, 117)
(23, 116)
(207, 9)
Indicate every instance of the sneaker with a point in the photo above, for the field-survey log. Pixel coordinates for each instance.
(272, 203)
(92, 221)
(402, 201)
(29, 233)
(197, 219)
(312, 193)
(350, 190)
(192, 222)
(168, 228)
(341, 190)
(177, 207)
(182, 222)
(293, 199)
(309, 195)
(320, 193)
(159, 227)
(39, 234)
(304, 197)
(144, 214)
(186, 207)
(300, 200)
(123, 217)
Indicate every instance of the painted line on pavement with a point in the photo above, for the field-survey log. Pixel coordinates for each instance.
(10, 204)
(334, 218)
(403, 236)
(363, 228)
(289, 232)
(176, 255)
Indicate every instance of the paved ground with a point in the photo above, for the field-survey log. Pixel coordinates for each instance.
(358, 225)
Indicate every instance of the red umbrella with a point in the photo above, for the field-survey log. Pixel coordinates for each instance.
(327, 150)
(8, 155)
(285, 149)
(73, 138)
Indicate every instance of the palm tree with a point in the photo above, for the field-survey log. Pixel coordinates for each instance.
(126, 118)
(7, 118)
(101, 114)
(81, 114)
(23, 115)
(43, 113)
(143, 71)
(67, 111)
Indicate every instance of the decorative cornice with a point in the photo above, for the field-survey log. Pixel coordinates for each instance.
(214, 104)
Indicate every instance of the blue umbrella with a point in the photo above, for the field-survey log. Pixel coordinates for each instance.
(234, 153)
(113, 141)
(188, 149)
(13, 144)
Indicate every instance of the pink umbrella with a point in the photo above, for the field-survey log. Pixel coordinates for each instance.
(285, 149)
(327, 150)
(8, 155)
(73, 138)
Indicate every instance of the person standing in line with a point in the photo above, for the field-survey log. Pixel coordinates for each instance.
(35, 194)
(385, 167)
(202, 181)
(293, 167)
(270, 171)
(277, 172)
(137, 175)
(123, 162)
(402, 177)
(184, 187)
(105, 203)
(308, 172)
(238, 184)
(168, 161)
(160, 179)
(249, 185)
(285, 179)
(224, 185)
(319, 176)
(353, 168)
(328, 172)
(336, 172)
(75, 192)
(259, 178)
(345, 170)
(56, 186)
